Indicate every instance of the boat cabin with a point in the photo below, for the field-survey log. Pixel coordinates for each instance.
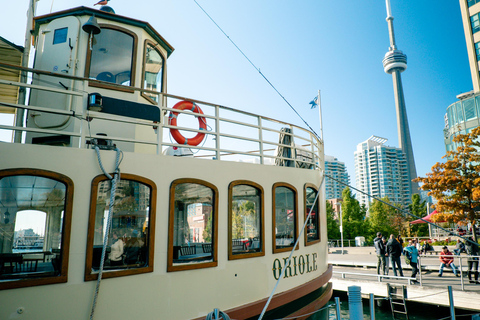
(123, 59)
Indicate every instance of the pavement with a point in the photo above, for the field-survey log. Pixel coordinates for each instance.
(358, 266)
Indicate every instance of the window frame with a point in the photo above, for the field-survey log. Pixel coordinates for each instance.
(107, 85)
(274, 238)
(314, 187)
(171, 222)
(233, 184)
(89, 274)
(164, 80)
(67, 227)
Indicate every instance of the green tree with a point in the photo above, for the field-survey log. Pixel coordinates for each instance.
(333, 228)
(456, 182)
(419, 209)
(383, 218)
(353, 216)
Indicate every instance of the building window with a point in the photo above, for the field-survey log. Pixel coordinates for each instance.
(245, 220)
(152, 71)
(112, 57)
(472, 2)
(35, 224)
(192, 237)
(469, 107)
(312, 231)
(475, 23)
(131, 232)
(285, 218)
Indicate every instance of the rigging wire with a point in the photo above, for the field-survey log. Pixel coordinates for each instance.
(258, 69)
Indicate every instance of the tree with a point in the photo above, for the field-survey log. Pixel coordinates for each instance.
(333, 228)
(456, 182)
(353, 216)
(418, 208)
(383, 218)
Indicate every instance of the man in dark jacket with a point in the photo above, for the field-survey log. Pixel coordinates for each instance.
(394, 249)
(380, 250)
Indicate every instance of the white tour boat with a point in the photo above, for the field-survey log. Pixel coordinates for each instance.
(169, 221)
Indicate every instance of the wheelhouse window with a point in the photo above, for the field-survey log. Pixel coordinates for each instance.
(131, 232)
(35, 221)
(245, 220)
(285, 217)
(153, 71)
(111, 57)
(192, 225)
(312, 231)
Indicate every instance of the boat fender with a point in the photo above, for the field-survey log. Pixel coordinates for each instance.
(202, 123)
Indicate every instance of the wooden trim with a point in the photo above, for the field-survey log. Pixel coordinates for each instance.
(67, 226)
(261, 253)
(89, 275)
(171, 219)
(314, 187)
(154, 45)
(105, 85)
(253, 309)
(295, 215)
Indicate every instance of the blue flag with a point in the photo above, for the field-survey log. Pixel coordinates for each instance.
(314, 103)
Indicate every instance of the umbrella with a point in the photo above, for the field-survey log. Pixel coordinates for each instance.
(427, 218)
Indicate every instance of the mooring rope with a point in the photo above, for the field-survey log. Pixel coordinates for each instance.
(114, 180)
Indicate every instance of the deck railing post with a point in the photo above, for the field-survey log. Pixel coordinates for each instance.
(372, 306)
(452, 307)
(337, 308)
(461, 272)
(420, 269)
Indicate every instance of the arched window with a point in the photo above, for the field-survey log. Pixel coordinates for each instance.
(192, 226)
(35, 222)
(285, 219)
(312, 231)
(131, 233)
(112, 57)
(245, 220)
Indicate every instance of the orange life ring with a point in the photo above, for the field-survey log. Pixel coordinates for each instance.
(202, 123)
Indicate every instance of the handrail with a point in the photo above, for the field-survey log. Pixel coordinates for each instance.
(304, 146)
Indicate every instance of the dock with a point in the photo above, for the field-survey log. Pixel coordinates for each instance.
(357, 266)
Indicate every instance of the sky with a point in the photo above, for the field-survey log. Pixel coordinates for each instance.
(301, 47)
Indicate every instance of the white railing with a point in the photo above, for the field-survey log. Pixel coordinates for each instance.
(232, 135)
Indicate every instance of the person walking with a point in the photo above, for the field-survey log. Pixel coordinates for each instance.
(411, 252)
(380, 250)
(394, 250)
(387, 258)
(471, 247)
(446, 259)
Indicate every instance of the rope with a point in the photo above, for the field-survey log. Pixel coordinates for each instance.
(427, 295)
(258, 69)
(214, 315)
(114, 180)
(291, 253)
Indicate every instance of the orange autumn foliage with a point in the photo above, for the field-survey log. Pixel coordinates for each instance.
(456, 182)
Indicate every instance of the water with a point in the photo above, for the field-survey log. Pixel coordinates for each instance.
(416, 311)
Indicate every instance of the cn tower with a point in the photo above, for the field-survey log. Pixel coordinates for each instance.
(394, 63)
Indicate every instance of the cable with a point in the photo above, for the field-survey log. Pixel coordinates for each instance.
(258, 69)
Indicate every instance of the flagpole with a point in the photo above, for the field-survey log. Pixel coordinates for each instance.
(320, 114)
